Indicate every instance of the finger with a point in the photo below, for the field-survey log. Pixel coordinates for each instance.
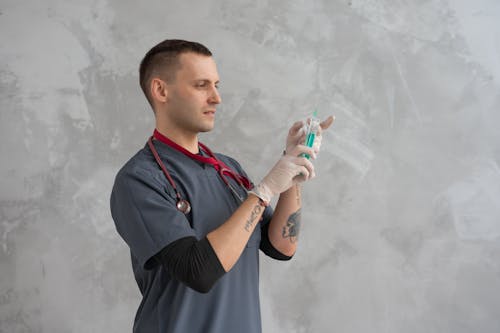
(327, 122)
(302, 174)
(301, 149)
(305, 163)
(296, 127)
(292, 141)
(307, 173)
(297, 136)
(302, 136)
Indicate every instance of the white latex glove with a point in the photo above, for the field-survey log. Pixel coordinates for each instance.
(288, 171)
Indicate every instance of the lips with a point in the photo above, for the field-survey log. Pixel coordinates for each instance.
(209, 112)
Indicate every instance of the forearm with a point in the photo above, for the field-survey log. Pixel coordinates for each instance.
(285, 224)
(229, 240)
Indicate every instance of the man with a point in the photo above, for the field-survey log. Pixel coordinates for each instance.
(193, 228)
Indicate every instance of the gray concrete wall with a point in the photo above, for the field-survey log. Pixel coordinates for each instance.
(401, 228)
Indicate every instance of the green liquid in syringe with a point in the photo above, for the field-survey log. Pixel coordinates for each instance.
(309, 142)
(311, 135)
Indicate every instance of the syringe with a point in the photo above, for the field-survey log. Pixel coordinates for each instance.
(311, 131)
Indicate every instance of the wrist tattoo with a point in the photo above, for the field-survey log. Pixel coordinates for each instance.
(253, 215)
(292, 227)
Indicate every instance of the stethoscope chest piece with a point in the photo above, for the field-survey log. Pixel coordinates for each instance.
(183, 206)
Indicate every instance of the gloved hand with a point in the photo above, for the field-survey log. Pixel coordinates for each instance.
(297, 134)
(289, 170)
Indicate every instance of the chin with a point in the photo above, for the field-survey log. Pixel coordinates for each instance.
(206, 128)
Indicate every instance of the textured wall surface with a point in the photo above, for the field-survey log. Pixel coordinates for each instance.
(401, 228)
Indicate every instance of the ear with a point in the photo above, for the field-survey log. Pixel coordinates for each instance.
(158, 89)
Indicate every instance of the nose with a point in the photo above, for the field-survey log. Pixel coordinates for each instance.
(215, 96)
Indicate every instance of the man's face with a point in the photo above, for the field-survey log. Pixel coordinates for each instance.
(192, 97)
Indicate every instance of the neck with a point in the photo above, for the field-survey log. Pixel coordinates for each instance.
(186, 140)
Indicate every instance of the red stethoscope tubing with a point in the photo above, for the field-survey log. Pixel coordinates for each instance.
(182, 204)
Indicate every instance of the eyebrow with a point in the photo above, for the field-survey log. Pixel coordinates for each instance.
(206, 80)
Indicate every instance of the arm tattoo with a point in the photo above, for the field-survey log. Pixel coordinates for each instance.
(297, 192)
(255, 212)
(292, 227)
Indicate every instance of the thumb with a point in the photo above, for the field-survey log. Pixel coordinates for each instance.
(327, 122)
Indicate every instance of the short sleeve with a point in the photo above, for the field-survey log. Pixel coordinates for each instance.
(145, 215)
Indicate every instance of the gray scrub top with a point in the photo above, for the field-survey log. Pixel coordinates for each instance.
(143, 208)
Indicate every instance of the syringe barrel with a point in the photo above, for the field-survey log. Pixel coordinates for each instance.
(312, 131)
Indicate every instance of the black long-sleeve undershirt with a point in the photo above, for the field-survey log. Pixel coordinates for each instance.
(195, 263)
(268, 248)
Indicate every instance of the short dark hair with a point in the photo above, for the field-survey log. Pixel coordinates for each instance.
(163, 60)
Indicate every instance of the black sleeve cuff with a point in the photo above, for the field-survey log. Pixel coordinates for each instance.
(268, 248)
(193, 262)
